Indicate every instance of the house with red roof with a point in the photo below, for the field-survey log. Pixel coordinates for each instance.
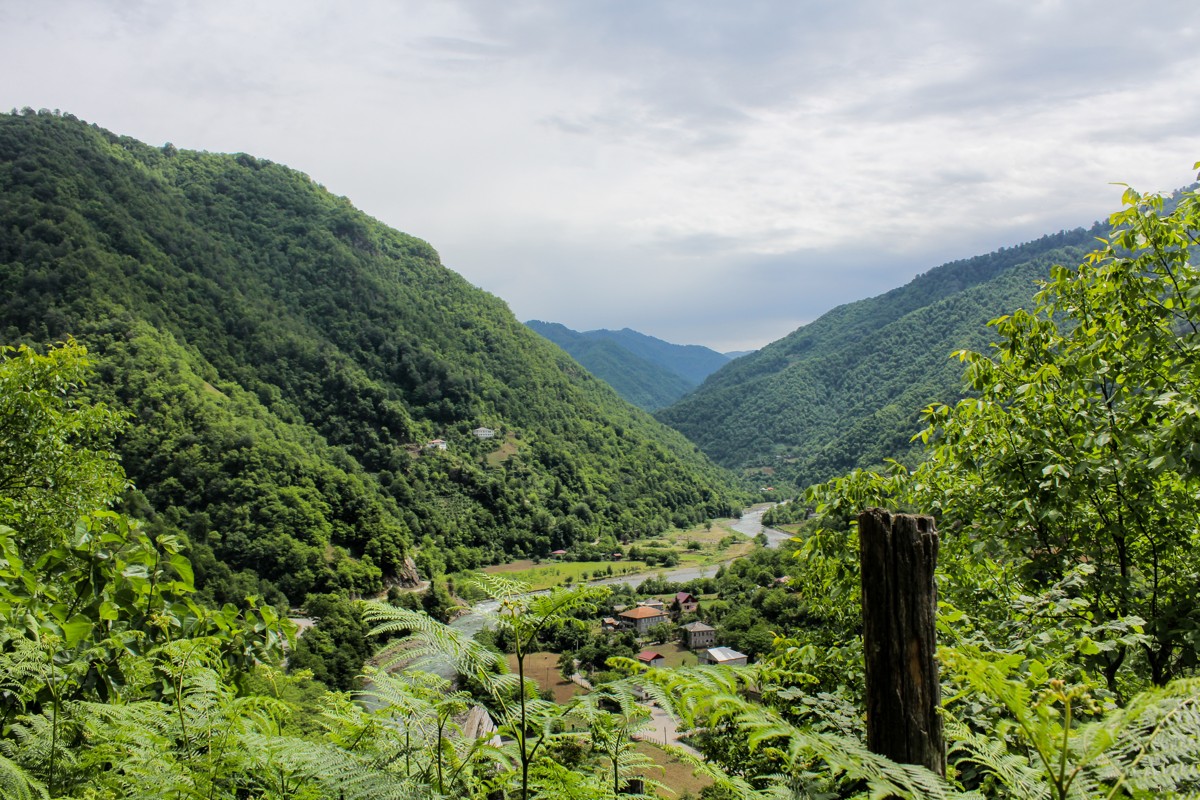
(686, 603)
(650, 658)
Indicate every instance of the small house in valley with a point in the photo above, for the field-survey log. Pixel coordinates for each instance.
(686, 603)
(483, 433)
(650, 658)
(699, 636)
(725, 656)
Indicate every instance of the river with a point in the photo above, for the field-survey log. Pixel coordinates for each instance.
(475, 619)
(750, 525)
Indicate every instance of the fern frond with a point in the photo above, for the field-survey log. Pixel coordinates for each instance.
(1151, 746)
(499, 587)
(37, 746)
(993, 757)
(16, 784)
(428, 640)
(336, 771)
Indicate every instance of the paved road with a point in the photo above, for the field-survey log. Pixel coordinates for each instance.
(750, 524)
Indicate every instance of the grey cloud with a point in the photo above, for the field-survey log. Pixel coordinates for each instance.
(629, 163)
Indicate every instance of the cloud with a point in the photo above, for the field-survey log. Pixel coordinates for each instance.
(703, 171)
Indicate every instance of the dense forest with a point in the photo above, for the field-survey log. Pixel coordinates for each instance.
(306, 389)
(846, 390)
(646, 371)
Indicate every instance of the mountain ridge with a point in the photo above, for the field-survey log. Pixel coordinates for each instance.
(285, 360)
(647, 371)
(846, 390)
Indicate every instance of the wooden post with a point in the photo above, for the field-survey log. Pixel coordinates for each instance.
(899, 605)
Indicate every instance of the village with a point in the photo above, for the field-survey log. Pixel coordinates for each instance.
(727, 617)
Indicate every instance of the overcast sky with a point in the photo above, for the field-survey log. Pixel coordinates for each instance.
(713, 173)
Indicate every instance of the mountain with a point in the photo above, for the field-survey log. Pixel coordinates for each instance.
(646, 371)
(846, 390)
(309, 393)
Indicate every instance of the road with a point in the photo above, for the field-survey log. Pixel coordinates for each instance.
(480, 614)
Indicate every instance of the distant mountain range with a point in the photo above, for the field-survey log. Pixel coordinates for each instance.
(647, 372)
(847, 390)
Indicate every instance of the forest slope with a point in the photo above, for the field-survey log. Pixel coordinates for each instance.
(646, 371)
(846, 390)
(285, 360)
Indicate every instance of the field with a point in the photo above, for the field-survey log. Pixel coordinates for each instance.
(559, 573)
(507, 449)
(675, 655)
(676, 776)
(697, 547)
(542, 668)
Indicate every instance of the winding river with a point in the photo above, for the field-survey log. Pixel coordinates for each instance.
(750, 525)
(473, 620)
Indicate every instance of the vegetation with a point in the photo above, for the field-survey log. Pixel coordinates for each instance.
(1065, 489)
(845, 391)
(647, 372)
(284, 361)
(698, 546)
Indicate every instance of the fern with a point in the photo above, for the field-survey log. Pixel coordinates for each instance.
(287, 766)
(1149, 748)
(16, 784)
(428, 642)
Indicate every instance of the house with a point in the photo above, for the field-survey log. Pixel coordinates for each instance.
(642, 618)
(723, 656)
(699, 635)
(558, 553)
(651, 658)
(483, 433)
(436, 444)
(686, 602)
(609, 624)
(653, 602)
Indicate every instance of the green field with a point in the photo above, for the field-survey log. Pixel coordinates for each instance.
(561, 573)
(696, 547)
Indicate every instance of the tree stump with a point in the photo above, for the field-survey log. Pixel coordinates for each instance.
(899, 605)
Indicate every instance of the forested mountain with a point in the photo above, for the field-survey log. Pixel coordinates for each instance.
(286, 364)
(646, 371)
(847, 389)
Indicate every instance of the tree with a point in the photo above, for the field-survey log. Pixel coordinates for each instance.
(522, 619)
(1081, 444)
(664, 632)
(98, 628)
(55, 463)
(1076, 453)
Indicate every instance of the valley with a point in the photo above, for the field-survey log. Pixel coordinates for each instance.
(227, 394)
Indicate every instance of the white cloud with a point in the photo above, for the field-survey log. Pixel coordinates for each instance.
(701, 171)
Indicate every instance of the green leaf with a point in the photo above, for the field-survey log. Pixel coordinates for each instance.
(75, 629)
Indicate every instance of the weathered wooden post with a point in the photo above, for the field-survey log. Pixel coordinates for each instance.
(899, 604)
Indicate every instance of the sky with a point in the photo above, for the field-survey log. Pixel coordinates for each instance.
(715, 173)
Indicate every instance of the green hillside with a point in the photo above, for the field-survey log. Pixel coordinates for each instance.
(646, 371)
(285, 360)
(847, 389)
